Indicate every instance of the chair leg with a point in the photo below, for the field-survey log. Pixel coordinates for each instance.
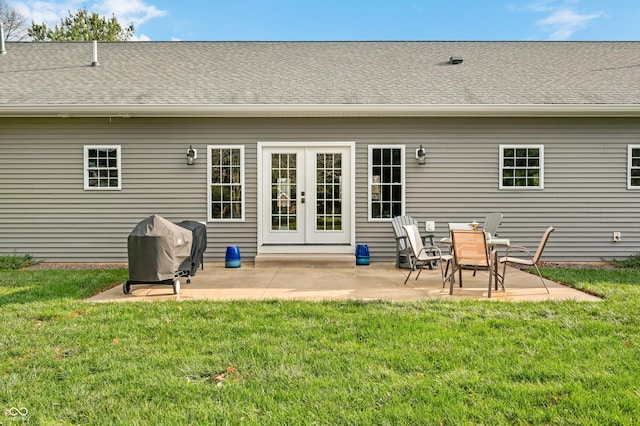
(442, 272)
(412, 269)
(492, 271)
(452, 278)
(407, 279)
(445, 273)
(498, 279)
(447, 269)
(504, 273)
(541, 279)
(419, 270)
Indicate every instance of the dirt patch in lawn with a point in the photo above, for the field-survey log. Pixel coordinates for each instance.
(52, 265)
(577, 265)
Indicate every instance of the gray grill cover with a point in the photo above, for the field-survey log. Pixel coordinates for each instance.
(156, 249)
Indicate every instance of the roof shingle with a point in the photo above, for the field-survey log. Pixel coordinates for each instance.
(320, 73)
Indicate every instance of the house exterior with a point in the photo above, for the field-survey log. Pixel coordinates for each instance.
(311, 147)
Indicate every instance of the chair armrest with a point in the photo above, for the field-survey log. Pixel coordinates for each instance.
(521, 249)
(431, 249)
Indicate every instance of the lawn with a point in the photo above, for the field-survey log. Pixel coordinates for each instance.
(436, 362)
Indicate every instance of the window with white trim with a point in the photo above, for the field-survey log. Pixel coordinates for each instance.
(102, 167)
(633, 167)
(386, 181)
(225, 178)
(521, 166)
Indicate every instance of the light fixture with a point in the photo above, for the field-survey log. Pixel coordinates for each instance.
(421, 155)
(192, 155)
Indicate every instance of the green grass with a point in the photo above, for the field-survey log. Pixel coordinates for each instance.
(632, 261)
(432, 362)
(16, 261)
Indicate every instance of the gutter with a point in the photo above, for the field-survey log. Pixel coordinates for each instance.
(307, 110)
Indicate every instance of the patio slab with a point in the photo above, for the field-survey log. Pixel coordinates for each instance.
(377, 281)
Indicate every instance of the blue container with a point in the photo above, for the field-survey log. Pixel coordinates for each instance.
(362, 254)
(232, 258)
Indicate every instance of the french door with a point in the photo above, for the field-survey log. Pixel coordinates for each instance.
(306, 194)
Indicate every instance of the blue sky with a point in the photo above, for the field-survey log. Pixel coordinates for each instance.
(211, 20)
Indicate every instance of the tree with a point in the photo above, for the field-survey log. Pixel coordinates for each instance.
(83, 26)
(15, 28)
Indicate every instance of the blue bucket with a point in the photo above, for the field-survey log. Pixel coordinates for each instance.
(232, 258)
(362, 254)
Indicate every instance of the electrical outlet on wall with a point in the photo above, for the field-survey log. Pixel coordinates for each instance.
(617, 236)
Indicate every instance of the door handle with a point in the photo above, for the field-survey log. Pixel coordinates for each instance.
(302, 197)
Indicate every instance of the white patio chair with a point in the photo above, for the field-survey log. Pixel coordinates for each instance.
(423, 256)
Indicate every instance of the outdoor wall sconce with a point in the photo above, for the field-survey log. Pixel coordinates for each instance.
(421, 155)
(192, 155)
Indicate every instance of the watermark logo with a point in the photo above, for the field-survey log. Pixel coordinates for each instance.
(17, 414)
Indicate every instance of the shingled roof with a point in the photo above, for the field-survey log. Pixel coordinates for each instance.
(321, 78)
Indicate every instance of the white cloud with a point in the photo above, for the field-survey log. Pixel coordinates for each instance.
(140, 37)
(49, 12)
(562, 20)
(126, 11)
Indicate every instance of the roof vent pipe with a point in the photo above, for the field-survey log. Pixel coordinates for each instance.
(2, 51)
(455, 60)
(95, 54)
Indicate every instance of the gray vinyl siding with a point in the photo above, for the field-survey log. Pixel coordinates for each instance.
(44, 210)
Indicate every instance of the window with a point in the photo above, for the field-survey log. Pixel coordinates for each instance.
(226, 183)
(633, 168)
(102, 167)
(521, 167)
(386, 182)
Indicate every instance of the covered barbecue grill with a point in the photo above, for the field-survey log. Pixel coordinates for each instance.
(199, 244)
(159, 252)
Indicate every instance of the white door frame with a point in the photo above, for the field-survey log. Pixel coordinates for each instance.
(342, 248)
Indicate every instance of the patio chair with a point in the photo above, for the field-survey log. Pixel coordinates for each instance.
(529, 260)
(491, 223)
(404, 257)
(423, 256)
(470, 251)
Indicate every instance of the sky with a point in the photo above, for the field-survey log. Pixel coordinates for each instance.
(347, 20)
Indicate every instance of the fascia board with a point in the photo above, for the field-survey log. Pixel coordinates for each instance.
(306, 110)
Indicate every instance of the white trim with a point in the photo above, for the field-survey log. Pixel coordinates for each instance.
(322, 110)
(85, 168)
(403, 167)
(629, 150)
(244, 188)
(521, 188)
(261, 145)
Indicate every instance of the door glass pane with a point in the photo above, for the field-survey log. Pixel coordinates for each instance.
(329, 192)
(283, 192)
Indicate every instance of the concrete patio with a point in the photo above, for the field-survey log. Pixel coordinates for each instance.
(377, 281)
